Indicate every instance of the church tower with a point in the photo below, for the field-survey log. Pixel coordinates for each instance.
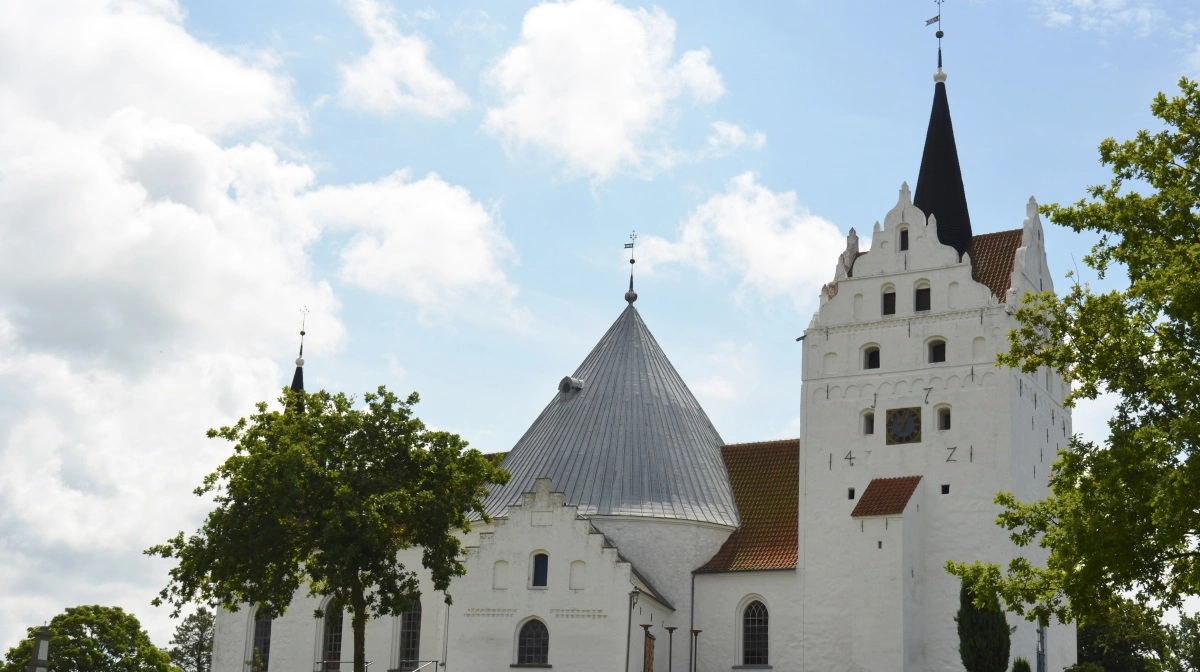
(909, 429)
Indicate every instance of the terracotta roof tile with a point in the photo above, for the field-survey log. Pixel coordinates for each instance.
(886, 496)
(992, 256)
(766, 484)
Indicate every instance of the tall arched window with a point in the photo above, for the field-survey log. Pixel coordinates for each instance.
(541, 570)
(410, 637)
(533, 644)
(921, 298)
(331, 637)
(889, 300)
(260, 655)
(754, 634)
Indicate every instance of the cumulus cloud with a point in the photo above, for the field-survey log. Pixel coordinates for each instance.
(78, 45)
(767, 238)
(395, 75)
(590, 81)
(402, 233)
(1099, 15)
(152, 280)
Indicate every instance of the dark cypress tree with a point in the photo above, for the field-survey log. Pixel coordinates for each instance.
(983, 634)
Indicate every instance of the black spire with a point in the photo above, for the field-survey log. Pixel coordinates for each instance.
(298, 377)
(939, 184)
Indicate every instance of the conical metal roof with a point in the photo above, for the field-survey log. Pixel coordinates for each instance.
(624, 437)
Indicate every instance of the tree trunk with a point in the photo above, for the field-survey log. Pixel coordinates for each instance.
(358, 621)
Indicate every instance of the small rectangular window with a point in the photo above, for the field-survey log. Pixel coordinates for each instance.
(850, 493)
(903, 239)
(869, 423)
(872, 359)
(944, 419)
(889, 303)
(922, 299)
(945, 488)
(937, 352)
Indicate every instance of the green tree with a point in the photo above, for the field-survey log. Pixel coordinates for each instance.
(983, 634)
(1185, 643)
(191, 649)
(1020, 665)
(1122, 517)
(93, 638)
(326, 497)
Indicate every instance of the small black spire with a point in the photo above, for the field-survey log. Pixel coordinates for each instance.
(298, 376)
(940, 188)
(631, 295)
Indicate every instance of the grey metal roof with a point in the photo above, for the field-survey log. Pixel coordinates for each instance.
(625, 437)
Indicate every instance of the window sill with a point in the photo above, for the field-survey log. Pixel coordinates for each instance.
(531, 665)
(752, 667)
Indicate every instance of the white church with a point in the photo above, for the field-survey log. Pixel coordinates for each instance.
(633, 538)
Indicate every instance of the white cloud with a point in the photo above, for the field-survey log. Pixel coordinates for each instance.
(590, 81)
(395, 74)
(1100, 15)
(79, 47)
(403, 231)
(727, 137)
(767, 238)
(152, 280)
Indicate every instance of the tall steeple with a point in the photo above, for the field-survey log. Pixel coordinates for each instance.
(940, 189)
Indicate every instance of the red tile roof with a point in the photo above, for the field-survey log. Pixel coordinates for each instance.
(992, 256)
(766, 484)
(886, 496)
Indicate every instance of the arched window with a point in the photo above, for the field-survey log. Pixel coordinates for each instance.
(754, 634)
(260, 655)
(541, 570)
(943, 418)
(868, 422)
(903, 239)
(410, 636)
(871, 357)
(533, 644)
(937, 351)
(331, 639)
(889, 300)
(921, 299)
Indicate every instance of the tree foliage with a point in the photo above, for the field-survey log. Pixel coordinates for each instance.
(1020, 665)
(326, 497)
(1123, 517)
(93, 638)
(192, 647)
(983, 634)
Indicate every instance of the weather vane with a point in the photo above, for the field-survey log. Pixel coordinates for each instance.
(303, 321)
(938, 20)
(631, 295)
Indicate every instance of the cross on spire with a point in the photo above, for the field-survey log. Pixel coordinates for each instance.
(631, 295)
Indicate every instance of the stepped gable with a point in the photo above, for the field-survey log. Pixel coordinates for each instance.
(766, 483)
(624, 437)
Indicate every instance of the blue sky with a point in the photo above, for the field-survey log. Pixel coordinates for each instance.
(447, 187)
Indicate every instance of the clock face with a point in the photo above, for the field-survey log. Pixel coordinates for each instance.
(904, 425)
